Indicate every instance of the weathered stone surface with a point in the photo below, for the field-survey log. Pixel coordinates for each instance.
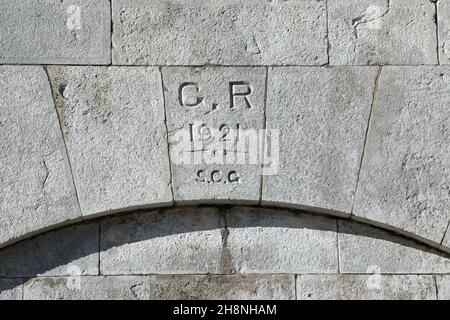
(54, 31)
(265, 287)
(10, 289)
(322, 115)
(68, 251)
(113, 122)
(365, 287)
(443, 287)
(443, 16)
(201, 108)
(364, 249)
(36, 188)
(446, 241)
(267, 241)
(88, 288)
(405, 174)
(228, 32)
(162, 287)
(179, 241)
(382, 32)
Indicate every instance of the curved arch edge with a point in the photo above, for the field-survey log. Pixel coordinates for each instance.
(296, 209)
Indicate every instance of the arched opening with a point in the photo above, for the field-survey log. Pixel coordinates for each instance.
(222, 252)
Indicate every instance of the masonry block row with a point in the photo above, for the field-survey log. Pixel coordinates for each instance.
(208, 240)
(222, 253)
(236, 287)
(226, 32)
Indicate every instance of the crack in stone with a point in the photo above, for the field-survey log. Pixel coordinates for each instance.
(47, 173)
(436, 287)
(436, 22)
(163, 88)
(327, 17)
(226, 259)
(264, 142)
(138, 290)
(445, 233)
(111, 33)
(337, 247)
(364, 19)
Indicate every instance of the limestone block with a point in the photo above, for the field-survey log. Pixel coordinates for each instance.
(10, 289)
(382, 32)
(443, 287)
(218, 287)
(365, 287)
(224, 32)
(55, 32)
(182, 287)
(364, 249)
(113, 123)
(36, 188)
(267, 241)
(322, 115)
(211, 113)
(180, 241)
(443, 17)
(87, 288)
(405, 174)
(70, 251)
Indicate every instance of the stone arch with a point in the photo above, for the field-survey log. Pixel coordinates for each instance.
(351, 99)
(221, 252)
(92, 154)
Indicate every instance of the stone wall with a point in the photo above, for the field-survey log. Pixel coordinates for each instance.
(222, 253)
(335, 107)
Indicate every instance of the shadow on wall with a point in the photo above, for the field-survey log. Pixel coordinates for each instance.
(216, 240)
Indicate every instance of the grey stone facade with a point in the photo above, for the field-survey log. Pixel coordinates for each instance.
(266, 149)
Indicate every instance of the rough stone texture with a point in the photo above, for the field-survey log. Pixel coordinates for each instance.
(443, 16)
(342, 137)
(382, 32)
(228, 32)
(267, 241)
(261, 287)
(54, 31)
(203, 176)
(405, 174)
(363, 249)
(163, 287)
(63, 252)
(113, 123)
(179, 241)
(443, 287)
(363, 287)
(10, 289)
(36, 189)
(322, 115)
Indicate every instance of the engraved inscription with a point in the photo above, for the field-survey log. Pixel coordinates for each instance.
(239, 93)
(187, 94)
(217, 176)
(205, 133)
(217, 143)
(240, 89)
